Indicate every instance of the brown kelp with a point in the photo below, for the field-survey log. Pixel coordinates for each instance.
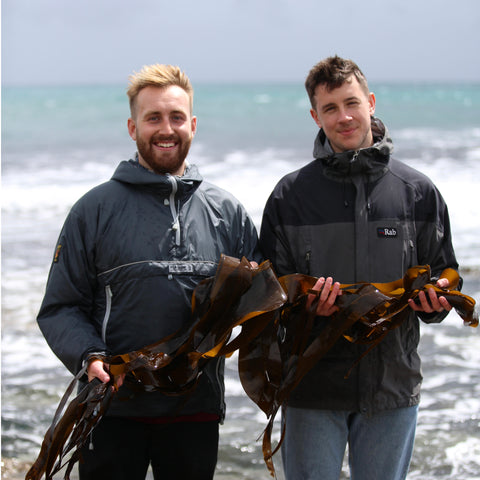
(71, 427)
(236, 295)
(276, 348)
(273, 364)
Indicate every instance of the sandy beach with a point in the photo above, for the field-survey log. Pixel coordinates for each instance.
(13, 469)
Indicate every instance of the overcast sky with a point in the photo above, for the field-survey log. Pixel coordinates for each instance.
(103, 41)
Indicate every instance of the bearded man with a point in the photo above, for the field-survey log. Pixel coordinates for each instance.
(128, 258)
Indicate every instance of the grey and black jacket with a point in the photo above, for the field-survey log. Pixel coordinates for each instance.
(359, 216)
(128, 258)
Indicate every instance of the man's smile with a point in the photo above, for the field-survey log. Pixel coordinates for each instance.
(165, 144)
(346, 131)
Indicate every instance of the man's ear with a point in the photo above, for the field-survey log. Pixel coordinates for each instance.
(314, 115)
(194, 125)
(371, 102)
(132, 129)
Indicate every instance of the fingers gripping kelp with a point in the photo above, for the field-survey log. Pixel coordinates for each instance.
(236, 295)
(276, 346)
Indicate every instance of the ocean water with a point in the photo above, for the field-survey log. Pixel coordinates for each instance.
(58, 142)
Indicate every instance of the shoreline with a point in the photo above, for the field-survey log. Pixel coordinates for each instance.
(16, 469)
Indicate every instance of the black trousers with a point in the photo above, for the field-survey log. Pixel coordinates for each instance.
(124, 448)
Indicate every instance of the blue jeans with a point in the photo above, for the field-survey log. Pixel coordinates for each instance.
(380, 446)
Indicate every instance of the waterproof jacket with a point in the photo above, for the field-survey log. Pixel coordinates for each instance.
(128, 258)
(359, 216)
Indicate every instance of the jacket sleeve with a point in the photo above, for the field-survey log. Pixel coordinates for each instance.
(65, 313)
(434, 241)
(249, 247)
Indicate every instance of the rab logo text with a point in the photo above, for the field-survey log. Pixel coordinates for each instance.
(387, 232)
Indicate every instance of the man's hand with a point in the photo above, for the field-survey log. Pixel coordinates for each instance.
(432, 302)
(99, 369)
(326, 298)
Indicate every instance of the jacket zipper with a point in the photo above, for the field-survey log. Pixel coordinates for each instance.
(308, 256)
(108, 309)
(175, 213)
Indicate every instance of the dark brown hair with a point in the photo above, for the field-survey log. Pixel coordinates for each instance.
(333, 72)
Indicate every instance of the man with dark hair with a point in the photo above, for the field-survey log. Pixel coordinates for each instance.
(356, 214)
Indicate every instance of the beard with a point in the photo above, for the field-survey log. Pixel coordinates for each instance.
(164, 162)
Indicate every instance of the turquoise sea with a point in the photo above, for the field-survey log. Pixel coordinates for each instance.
(58, 142)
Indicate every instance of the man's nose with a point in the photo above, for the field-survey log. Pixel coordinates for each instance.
(165, 128)
(344, 115)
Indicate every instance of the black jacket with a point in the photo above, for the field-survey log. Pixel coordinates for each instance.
(127, 260)
(359, 216)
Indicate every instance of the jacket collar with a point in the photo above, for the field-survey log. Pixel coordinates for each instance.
(131, 172)
(372, 161)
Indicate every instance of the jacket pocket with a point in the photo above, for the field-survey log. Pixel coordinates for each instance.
(108, 310)
(392, 244)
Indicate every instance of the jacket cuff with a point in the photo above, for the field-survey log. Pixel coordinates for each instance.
(91, 356)
(434, 317)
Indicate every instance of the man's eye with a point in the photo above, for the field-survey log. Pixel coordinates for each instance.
(179, 121)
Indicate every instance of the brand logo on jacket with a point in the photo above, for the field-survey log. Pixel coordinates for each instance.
(180, 268)
(386, 232)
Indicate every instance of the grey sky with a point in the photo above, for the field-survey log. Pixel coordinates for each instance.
(103, 41)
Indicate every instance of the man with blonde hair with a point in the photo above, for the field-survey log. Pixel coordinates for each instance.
(127, 260)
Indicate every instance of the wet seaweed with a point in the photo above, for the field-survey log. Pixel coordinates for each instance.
(275, 362)
(276, 346)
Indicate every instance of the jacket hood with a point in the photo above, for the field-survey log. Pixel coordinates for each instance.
(131, 172)
(372, 161)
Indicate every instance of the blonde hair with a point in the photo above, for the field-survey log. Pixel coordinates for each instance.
(157, 75)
